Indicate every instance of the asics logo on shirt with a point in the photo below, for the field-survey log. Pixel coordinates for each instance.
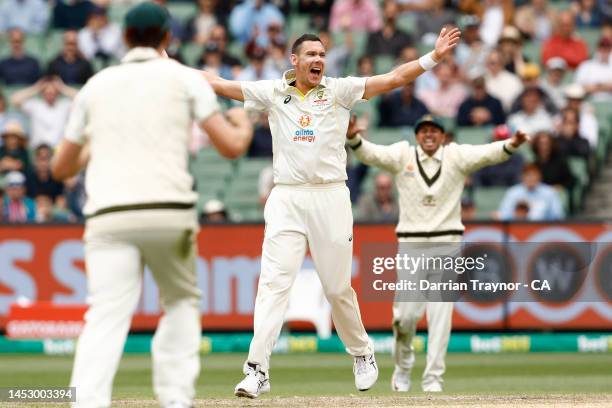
(287, 99)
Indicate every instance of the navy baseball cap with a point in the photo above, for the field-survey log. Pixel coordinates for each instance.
(428, 120)
(147, 15)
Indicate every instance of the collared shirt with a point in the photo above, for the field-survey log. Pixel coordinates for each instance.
(308, 131)
(595, 71)
(30, 16)
(47, 121)
(137, 117)
(544, 203)
(430, 202)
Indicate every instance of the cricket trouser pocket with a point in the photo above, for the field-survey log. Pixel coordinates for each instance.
(319, 218)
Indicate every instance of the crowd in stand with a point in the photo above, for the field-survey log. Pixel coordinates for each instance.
(490, 82)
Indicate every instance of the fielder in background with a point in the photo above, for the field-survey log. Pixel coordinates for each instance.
(310, 205)
(136, 118)
(429, 178)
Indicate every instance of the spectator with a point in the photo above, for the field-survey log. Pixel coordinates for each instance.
(534, 20)
(13, 153)
(70, 65)
(389, 40)
(211, 60)
(445, 100)
(530, 78)
(358, 15)
(553, 83)
(40, 182)
(46, 212)
(500, 83)
(564, 43)
(532, 117)
(336, 58)
(200, 26)
(503, 174)
(261, 144)
(401, 108)
(493, 17)
(251, 19)
(430, 22)
(571, 143)
(365, 66)
(521, 211)
(28, 16)
(218, 36)
(551, 162)
(49, 113)
(543, 200)
(480, 108)
(100, 38)
(380, 205)
(596, 74)
(587, 13)
(17, 207)
(471, 53)
(468, 209)
(589, 128)
(214, 212)
(277, 57)
(18, 68)
(71, 14)
(6, 117)
(511, 50)
(319, 12)
(257, 70)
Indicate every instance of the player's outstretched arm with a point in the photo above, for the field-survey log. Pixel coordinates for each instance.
(224, 87)
(406, 73)
(474, 157)
(70, 158)
(230, 137)
(389, 158)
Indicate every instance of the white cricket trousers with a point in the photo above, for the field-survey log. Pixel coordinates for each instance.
(406, 315)
(115, 262)
(318, 217)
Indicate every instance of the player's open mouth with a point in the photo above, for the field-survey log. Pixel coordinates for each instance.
(315, 71)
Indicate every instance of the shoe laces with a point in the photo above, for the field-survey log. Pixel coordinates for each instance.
(361, 364)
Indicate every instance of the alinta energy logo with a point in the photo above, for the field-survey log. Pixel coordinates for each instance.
(304, 135)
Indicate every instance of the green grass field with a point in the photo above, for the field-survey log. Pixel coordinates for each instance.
(532, 379)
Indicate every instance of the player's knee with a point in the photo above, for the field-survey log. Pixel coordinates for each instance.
(339, 294)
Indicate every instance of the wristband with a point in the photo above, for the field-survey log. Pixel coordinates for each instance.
(427, 62)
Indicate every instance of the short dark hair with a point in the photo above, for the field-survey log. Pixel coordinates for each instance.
(295, 48)
(150, 37)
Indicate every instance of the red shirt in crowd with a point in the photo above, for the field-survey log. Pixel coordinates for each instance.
(573, 50)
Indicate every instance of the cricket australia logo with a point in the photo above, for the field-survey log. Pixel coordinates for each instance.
(305, 121)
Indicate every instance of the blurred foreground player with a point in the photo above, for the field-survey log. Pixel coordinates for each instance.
(136, 118)
(310, 205)
(429, 178)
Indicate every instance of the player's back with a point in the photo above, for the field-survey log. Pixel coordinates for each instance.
(138, 121)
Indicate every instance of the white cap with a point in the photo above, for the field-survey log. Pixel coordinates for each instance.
(14, 178)
(574, 91)
(556, 63)
(213, 206)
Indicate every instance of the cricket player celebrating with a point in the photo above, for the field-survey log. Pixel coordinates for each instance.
(309, 205)
(136, 118)
(429, 178)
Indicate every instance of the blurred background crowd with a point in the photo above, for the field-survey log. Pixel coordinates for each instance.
(541, 66)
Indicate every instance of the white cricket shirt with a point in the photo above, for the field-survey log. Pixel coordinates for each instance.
(308, 131)
(430, 187)
(137, 118)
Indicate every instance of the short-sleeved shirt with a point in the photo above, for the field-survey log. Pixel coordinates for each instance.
(137, 117)
(47, 121)
(308, 131)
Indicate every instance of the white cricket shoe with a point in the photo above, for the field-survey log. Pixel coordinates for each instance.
(255, 382)
(400, 380)
(432, 386)
(366, 372)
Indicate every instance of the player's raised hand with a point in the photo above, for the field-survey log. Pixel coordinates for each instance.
(354, 128)
(518, 139)
(447, 40)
